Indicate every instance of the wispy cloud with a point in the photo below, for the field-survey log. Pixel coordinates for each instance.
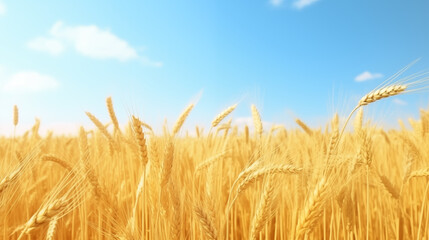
(94, 42)
(276, 3)
(399, 102)
(43, 44)
(2, 8)
(299, 4)
(365, 76)
(90, 41)
(25, 82)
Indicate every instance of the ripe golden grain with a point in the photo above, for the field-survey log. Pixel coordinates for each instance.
(210, 187)
(222, 115)
(257, 120)
(112, 114)
(15, 115)
(304, 126)
(141, 141)
(381, 93)
(182, 119)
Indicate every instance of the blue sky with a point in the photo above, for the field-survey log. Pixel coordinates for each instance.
(297, 58)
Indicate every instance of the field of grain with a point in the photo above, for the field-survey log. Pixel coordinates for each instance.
(225, 182)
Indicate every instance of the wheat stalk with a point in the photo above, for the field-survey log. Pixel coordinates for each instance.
(358, 120)
(375, 95)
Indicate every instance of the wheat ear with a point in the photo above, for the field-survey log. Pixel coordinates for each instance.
(374, 96)
(420, 173)
(9, 179)
(390, 188)
(207, 163)
(304, 127)
(264, 210)
(51, 229)
(168, 162)
(112, 114)
(89, 170)
(256, 120)
(182, 119)
(62, 163)
(147, 126)
(141, 141)
(206, 223)
(166, 171)
(222, 115)
(313, 208)
(45, 215)
(381, 93)
(102, 128)
(15, 115)
(259, 174)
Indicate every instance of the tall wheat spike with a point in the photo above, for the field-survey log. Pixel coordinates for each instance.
(141, 141)
(257, 120)
(182, 119)
(15, 115)
(312, 209)
(112, 114)
(264, 210)
(101, 127)
(222, 115)
(206, 223)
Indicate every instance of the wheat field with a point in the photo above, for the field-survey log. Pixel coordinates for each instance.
(226, 182)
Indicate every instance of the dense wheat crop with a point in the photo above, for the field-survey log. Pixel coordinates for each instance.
(220, 183)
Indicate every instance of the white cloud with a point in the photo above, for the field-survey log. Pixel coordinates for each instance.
(365, 76)
(2, 8)
(146, 61)
(299, 4)
(399, 101)
(25, 82)
(90, 41)
(50, 45)
(94, 42)
(276, 3)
